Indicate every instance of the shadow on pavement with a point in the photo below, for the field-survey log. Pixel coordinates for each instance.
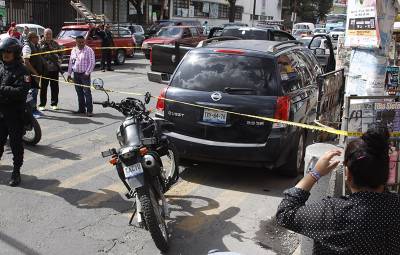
(108, 116)
(73, 120)
(250, 180)
(106, 198)
(19, 246)
(52, 152)
(194, 230)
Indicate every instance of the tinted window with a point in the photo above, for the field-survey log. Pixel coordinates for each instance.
(64, 34)
(290, 77)
(303, 69)
(215, 72)
(281, 37)
(246, 34)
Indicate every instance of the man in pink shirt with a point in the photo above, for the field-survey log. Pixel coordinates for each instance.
(82, 62)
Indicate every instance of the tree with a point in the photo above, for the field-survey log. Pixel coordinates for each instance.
(324, 7)
(138, 7)
(232, 10)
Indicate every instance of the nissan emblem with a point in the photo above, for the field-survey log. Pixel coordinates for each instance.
(216, 96)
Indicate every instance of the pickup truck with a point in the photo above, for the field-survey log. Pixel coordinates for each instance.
(67, 35)
(186, 35)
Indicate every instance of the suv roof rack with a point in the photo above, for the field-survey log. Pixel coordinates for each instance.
(281, 45)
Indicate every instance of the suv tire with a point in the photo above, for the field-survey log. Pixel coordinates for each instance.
(295, 163)
(120, 57)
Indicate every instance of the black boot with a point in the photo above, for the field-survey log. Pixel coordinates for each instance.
(15, 178)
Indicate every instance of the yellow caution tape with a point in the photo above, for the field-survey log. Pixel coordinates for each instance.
(290, 123)
(94, 48)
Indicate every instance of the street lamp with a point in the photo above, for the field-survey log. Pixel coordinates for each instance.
(254, 11)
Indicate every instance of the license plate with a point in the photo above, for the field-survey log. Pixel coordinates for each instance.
(132, 171)
(212, 116)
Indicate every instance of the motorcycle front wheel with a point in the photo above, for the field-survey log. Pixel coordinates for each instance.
(33, 135)
(154, 215)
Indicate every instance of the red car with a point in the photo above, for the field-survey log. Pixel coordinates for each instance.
(67, 35)
(186, 35)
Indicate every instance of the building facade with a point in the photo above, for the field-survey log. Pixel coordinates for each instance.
(216, 12)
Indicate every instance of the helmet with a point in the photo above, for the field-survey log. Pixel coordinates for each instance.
(11, 44)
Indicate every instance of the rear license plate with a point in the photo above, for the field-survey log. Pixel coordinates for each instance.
(216, 117)
(132, 171)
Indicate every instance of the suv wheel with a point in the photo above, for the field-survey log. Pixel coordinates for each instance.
(295, 162)
(120, 57)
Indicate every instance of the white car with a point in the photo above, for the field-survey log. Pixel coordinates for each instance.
(336, 32)
(39, 30)
(320, 31)
(318, 43)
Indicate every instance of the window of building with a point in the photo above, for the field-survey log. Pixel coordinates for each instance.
(223, 11)
(238, 13)
(179, 5)
(201, 9)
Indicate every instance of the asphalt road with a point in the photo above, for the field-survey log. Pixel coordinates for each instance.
(71, 200)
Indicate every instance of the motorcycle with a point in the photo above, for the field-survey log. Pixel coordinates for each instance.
(32, 130)
(146, 163)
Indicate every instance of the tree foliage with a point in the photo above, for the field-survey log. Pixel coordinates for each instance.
(312, 11)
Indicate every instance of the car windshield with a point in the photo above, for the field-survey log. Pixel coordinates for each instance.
(21, 29)
(222, 72)
(65, 34)
(301, 31)
(319, 31)
(170, 32)
(246, 34)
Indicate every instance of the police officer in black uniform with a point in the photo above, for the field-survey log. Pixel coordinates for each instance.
(15, 82)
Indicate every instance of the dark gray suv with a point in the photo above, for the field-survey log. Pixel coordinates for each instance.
(264, 78)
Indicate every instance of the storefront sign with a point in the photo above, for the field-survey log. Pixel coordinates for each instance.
(362, 25)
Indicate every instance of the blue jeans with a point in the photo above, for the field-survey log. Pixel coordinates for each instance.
(84, 94)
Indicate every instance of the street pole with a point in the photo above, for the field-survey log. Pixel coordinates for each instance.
(254, 12)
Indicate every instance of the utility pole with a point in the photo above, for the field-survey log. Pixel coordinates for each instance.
(254, 12)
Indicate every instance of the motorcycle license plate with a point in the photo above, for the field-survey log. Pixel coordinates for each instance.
(132, 171)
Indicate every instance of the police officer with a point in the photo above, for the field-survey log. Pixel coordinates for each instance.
(14, 85)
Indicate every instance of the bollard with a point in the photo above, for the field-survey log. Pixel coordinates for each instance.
(329, 185)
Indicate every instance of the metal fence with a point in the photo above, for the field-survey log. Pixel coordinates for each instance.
(48, 13)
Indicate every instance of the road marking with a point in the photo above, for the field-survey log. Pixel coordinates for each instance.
(74, 180)
(203, 218)
(53, 150)
(62, 164)
(97, 198)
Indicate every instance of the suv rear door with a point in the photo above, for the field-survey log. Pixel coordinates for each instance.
(230, 80)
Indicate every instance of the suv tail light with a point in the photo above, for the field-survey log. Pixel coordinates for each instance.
(282, 108)
(161, 100)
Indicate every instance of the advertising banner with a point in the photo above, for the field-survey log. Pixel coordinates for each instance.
(362, 24)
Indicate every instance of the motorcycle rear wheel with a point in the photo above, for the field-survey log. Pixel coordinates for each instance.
(34, 135)
(154, 216)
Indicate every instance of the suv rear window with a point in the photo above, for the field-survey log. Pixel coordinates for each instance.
(216, 72)
(246, 34)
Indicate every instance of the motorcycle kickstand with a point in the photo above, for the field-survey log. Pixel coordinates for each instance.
(133, 214)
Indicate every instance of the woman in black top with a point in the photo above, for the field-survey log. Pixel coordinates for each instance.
(365, 222)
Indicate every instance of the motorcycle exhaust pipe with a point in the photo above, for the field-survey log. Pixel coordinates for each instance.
(151, 164)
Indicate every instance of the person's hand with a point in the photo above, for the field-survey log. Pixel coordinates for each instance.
(325, 164)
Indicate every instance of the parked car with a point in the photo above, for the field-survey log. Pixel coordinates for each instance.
(257, 33)
(138, 32)
(320, 31)
(336, 32)
(187, 35)
(67, 35)
(157, 25)
(302, 26)
(300, 33)
(317, 43)
(265, 78)
(166, 58)
(39, 30)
